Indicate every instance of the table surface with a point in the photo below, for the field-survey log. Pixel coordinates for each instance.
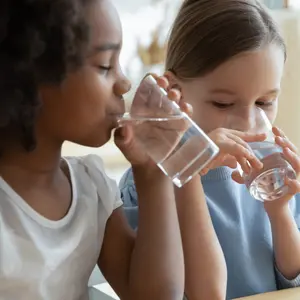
(289, 294)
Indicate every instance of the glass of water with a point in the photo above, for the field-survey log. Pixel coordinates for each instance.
(168, 135)
(268, 183)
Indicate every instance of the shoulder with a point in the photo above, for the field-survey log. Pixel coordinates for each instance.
(90, 168)
(128, 190)
(90, 177)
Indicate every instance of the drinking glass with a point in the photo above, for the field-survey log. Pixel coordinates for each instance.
(167, 134)
(268, 183)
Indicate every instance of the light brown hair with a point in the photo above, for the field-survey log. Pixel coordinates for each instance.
(207, 33)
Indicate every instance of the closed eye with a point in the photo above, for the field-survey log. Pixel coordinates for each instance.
(264, 103)
(221, 105)
(104, 69)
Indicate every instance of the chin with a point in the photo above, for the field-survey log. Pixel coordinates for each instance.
(95, 141)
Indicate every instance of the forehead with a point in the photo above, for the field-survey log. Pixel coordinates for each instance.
(250, 72)
(105, 23)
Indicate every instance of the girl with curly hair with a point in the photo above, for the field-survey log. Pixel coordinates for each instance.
(60, 79)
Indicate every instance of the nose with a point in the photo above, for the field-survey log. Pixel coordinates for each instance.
(122, 86)
(243, 120)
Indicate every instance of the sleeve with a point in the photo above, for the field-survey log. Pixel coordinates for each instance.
(130, 199)
(282, 282)
(106, 188)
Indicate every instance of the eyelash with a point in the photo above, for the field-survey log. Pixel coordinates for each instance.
(104, 69)
(227, 105)
(221, 105)
(264, 103)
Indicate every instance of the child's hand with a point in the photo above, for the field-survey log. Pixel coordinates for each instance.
(290, 153)
(234, 149)
(124, 137)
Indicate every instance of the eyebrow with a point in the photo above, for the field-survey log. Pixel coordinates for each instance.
(107, 47)
(229, 92)
(222, 91)
(273, 92)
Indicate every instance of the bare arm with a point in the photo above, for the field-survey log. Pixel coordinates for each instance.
(150, 265)
(205, 268)
(286, 240)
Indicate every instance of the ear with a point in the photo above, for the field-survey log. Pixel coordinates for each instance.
(174, 82)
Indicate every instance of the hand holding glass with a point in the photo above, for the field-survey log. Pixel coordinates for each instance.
(168, 135)
(268, 183)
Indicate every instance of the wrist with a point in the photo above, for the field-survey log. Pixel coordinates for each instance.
(152, 185)
(193, 183)
(277, 211)
(192, 193)
(146, 172)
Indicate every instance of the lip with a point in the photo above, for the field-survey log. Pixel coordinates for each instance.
(114, 119)
(116, 115)
(116, 112)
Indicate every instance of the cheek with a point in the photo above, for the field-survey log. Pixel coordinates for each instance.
(89, 98)
(203, 113)
(206, 116)
(272, 117)
(81, 110)
(272, 112)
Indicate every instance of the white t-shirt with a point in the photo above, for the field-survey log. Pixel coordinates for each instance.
(53, 260)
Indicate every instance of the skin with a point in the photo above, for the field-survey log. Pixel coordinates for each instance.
(84, 107)
(232, 91)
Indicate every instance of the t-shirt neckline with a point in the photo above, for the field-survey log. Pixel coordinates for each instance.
(33, 214)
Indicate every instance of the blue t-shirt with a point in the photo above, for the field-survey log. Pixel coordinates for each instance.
(243, 230)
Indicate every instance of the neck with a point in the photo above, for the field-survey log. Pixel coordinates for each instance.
(39, 167)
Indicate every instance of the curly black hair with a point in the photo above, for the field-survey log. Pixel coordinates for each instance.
(40, 41)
